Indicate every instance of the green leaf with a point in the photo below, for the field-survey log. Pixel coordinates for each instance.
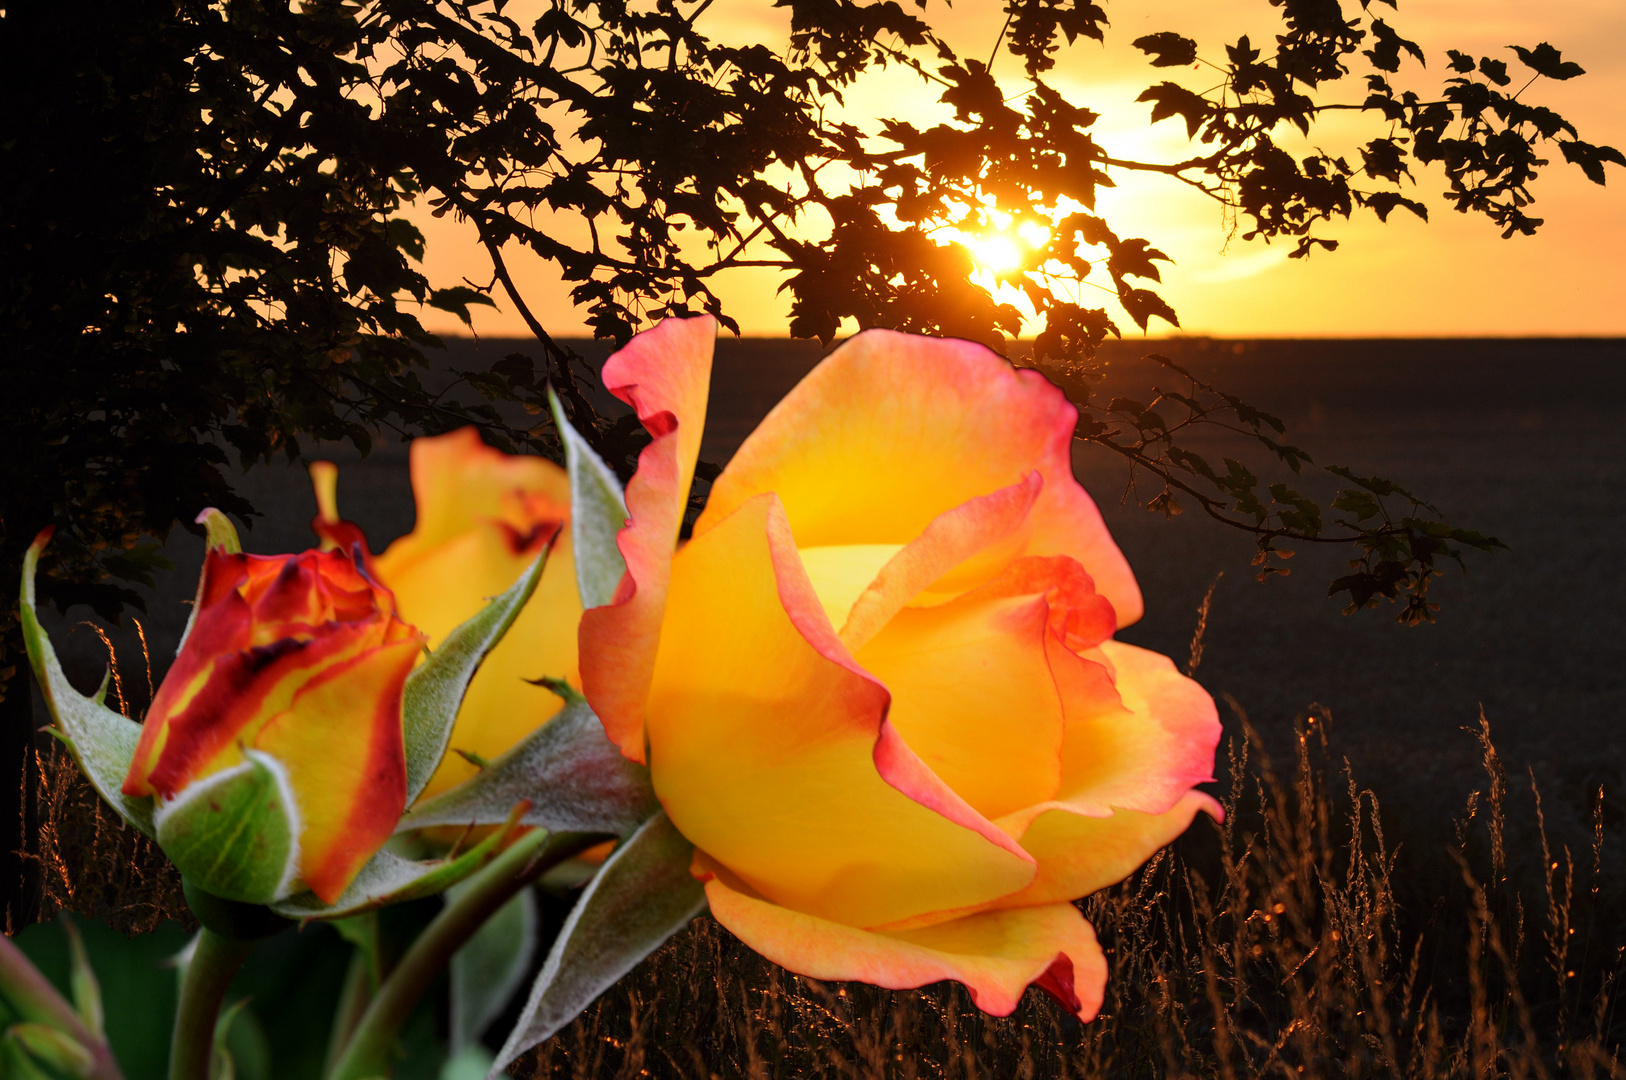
(1590, 158)
(235, 833)
(598, 511)
(470, 1063)
(1170, 99)
(87, 992)
(362, 932)
(434, 691)
(567, 772)
(1359, 503)
(643, 895)
(102, 741)
(387, 878)
(51, 1052)
(489, 969)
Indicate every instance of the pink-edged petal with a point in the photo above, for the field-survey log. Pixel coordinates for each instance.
(1139, 733)
(769, 747)
(665, 374)
(892, 430)
(972, 694)
(969, 542)
(996, 955)
(1080, 854)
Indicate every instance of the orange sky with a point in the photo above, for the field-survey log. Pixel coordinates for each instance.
(1451, 276)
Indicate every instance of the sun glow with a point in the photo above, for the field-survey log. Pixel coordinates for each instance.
(997, 252)
(1002, 248)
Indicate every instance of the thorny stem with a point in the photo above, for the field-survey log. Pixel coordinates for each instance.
(370, 1050)
(214, 961)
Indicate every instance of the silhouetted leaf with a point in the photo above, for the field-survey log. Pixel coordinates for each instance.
(1546, 60)
(1167, 49)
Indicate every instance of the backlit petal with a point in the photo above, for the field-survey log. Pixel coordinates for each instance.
(443, 587)
(340, 743)
(892, 430)
(665, 374)
(770, 750)
(996, 955)
(458, 480)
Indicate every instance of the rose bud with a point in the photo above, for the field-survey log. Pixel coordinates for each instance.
(273, 748)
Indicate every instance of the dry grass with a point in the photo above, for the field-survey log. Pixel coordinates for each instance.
(88, 860)
(81, 855)
(1274, 946)
(1295, 941)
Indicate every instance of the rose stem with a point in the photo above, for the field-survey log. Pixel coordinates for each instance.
(215, 960)
(369, 1052)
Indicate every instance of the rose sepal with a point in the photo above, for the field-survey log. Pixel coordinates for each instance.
(573, 778)
(235, 834)
(642, 895)
(388, 878)
(598, 512)
(102, 741)
(219, 534)
(434, 691)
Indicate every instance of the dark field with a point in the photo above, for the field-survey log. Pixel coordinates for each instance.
(1519, 439)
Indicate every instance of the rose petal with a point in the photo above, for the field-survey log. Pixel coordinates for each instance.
(340, 744)
(995, 955)
(770, 749)
(1138, 744)
(665, 375)
(457, 481)
(483, 516)
(892, 430)
(211, 700)
(972, 694)
(1080, 854)
(841, 574)
(989, 525)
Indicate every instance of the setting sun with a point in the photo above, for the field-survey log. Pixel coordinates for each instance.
(1003, 248)
(997, 252)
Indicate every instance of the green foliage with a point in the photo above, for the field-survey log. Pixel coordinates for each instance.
(136, 978)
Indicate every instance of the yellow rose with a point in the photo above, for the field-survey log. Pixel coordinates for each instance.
(482, 518)
(878, 688)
